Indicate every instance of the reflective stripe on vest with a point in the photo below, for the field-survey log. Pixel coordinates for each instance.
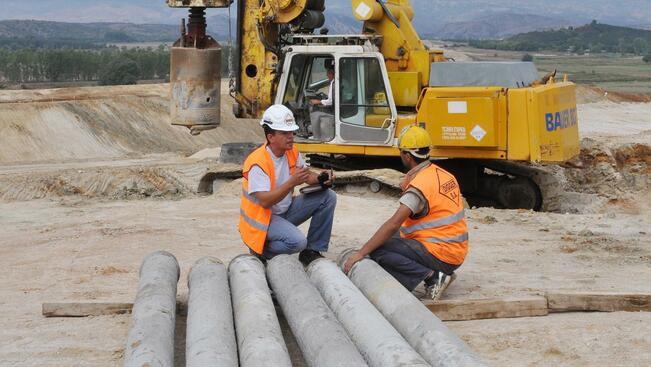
(254, 218)
(443, 230)
(250, 197)
(457, 239)
(253, 222)
(434, 223)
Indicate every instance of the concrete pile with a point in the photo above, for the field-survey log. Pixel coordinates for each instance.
(368, 319)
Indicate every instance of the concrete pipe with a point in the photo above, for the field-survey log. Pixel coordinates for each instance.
(378, 341)
(259, 338)
(210, 337)
(321, 337)
(418, 325)
(151, 338)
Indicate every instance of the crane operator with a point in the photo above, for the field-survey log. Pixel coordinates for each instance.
(322, 114)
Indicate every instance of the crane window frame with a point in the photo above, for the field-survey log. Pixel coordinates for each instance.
(363, 99)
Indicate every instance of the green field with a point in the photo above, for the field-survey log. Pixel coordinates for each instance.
(608, 71)
(623, 74)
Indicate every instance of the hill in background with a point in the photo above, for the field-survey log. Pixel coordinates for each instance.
(467, 19)
(593, 37)
(525, 32)
(37, 33)
(498, 26)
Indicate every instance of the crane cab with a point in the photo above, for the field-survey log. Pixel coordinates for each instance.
(360, 108)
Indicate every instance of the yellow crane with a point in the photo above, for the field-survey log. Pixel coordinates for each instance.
(485, 118)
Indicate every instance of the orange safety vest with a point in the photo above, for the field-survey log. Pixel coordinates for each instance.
(443, 231)
(254, 218)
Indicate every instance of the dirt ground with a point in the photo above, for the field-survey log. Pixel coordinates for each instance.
(77, 223)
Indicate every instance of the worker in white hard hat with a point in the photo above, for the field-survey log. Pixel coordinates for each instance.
(426, 239)
(270, 213)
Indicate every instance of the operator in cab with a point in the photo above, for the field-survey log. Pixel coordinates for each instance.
(426, 239)
(322, 115)
(270, 213)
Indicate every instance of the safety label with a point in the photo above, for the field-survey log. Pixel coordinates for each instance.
(478, 133)
(457, 107)
(362, 9)
(453, 133)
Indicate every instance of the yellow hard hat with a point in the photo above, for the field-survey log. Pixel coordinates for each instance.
(413, 138)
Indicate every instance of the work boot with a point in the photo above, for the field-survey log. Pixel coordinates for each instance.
(307, 256)
(434, 289)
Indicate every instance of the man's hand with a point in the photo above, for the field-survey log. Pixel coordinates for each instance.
(300, 176)
(315, 101)
(331, 178)
(325, 179)
(383, 233)
(352, 259)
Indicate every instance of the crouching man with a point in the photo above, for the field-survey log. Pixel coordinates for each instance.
(269, 213)
(433, 239)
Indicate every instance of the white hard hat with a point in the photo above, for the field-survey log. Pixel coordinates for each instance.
(279, 117)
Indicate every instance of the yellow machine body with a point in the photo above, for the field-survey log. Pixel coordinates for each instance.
(536, 124)
(385, 79)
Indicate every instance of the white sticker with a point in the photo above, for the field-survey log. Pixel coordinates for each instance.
(453, 133)
(458, 107)
(362, 9)
(478, 133)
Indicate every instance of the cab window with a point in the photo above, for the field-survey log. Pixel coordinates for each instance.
(362, 92)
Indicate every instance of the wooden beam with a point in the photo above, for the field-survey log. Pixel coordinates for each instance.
(449, 310)
(82, 309)
(491, 308)
(605, 302)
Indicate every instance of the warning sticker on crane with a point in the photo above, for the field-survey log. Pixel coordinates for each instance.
(478, 133)
(457, 107)
(362, 9)
(453, 133)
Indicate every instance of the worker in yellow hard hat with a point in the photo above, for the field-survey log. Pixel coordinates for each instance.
(426, 239)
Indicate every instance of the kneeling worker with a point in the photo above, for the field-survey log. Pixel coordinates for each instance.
(269, 212)
(433, 239)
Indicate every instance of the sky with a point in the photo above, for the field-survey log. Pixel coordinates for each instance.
(622, 12)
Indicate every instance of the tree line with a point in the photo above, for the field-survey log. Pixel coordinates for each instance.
(593, 37)
(104, 65)
(108, 65)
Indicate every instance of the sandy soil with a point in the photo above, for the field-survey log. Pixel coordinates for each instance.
(78, 221)
(78, 249)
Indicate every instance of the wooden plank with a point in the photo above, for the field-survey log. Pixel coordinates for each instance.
(82, 309)
(490, 308)
(604, 301)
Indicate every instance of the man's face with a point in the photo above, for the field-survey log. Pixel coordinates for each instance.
(407, 160)
(281, 140)
(331, 74)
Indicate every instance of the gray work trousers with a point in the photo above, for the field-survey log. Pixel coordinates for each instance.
(408, 261)
(323, 125)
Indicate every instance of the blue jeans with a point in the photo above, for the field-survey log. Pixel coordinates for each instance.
(408, 261)
(283, 237)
